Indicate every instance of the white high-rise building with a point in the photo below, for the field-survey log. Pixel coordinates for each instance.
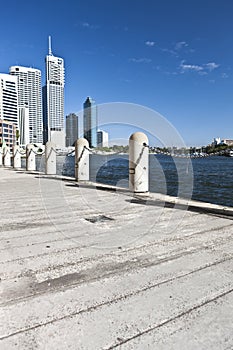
(53, 96)
(24, 136)
(8, 98)
(30, 103)
(8, 110)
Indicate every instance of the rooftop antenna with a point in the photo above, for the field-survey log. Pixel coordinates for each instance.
(50, 47)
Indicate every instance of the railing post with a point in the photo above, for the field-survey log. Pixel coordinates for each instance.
(138, 163)
(6, 156)
(16, 157)
(50, 158)
(30, 158)
(81, 160)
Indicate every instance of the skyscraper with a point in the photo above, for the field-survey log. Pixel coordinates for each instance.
(90, 121)
(8, 109)
(71, 129)
(30, 103)
(102, 138)
(9, 98)
(53, 100)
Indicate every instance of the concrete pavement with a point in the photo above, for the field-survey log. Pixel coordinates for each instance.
(86, 267)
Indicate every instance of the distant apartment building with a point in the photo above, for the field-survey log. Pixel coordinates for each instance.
(227, 142)
(217, 141)
(71, 129)
(7, 134)
(30, 104)
(102, 138)
(8, 109)
(53, 100)
(90, 121)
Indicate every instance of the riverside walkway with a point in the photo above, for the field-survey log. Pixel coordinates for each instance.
(86, 267)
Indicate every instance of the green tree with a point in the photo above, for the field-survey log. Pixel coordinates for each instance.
(17, 135)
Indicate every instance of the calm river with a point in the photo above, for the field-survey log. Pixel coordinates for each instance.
(205, 179)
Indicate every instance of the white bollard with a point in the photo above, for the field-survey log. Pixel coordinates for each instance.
(30, 158)
(1, 155)
(6, 157)
(16, 157)
(81, 160)
(50, 158)
(138, 163)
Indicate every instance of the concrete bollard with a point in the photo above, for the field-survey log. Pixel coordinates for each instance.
(138, 163)
(6, 156)
(16, 157)
(1, 155)
(81, 160)
(50, 158)
(30, 158)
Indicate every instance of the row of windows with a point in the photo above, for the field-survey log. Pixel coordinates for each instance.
(9, 103)
(11, 94)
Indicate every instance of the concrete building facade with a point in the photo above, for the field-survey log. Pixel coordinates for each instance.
(7, 134)
(30, 103)
(24, 135)
(8, 109)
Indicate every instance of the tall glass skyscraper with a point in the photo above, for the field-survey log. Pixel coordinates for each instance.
(53, 100)
(30, 103)
(71, 129)
(90, 122)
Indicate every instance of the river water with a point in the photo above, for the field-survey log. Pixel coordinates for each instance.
(205, 179)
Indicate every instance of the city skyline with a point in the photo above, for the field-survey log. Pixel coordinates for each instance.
(168, 56)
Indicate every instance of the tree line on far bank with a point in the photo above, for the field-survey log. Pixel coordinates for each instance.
(172, 150)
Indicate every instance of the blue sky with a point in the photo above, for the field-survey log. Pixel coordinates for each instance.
(173, 56)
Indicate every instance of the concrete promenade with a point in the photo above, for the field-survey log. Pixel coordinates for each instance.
(86, 267)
